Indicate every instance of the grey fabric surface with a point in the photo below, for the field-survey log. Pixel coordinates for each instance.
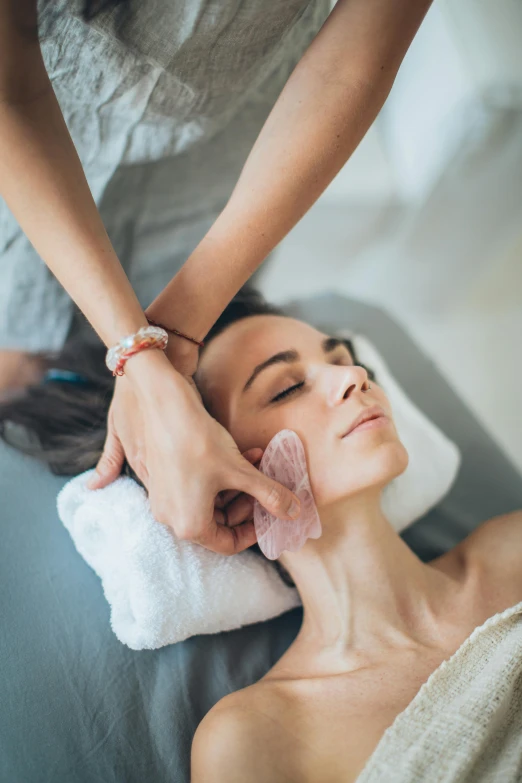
(163, 112)
(77, 706)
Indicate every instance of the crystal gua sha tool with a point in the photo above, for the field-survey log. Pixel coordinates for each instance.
(284, 461)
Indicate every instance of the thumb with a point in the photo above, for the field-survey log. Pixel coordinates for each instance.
(110, 463)
(277, 499)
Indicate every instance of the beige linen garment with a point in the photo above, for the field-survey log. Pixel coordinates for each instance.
(465, 723)
(163, 110)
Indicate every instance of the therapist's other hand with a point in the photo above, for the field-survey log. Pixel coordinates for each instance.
(185, 459)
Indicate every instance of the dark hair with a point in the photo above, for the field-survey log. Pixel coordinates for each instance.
(64, 424)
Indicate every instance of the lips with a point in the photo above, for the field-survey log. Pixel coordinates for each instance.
(373, 412)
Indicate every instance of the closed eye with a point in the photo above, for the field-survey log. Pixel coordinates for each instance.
(296, 386)
(286, 392)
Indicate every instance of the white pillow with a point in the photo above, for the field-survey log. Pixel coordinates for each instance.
(163, 591)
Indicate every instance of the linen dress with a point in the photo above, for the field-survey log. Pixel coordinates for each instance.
(163, 110)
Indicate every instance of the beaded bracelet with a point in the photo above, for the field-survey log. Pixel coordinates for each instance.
(146, 337)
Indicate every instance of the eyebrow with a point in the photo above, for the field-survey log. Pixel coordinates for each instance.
(328, 345)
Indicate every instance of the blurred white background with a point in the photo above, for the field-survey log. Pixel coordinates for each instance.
(425, 219)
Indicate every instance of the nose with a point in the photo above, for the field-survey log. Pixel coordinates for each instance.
(341, 383)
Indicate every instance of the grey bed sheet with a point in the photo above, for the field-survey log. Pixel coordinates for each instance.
(77, 706)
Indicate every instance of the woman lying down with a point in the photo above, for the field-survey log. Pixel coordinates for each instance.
(377, 621)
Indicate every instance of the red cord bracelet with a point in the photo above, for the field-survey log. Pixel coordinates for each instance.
(175, 331)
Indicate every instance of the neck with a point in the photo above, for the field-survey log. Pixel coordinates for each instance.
(364, 591)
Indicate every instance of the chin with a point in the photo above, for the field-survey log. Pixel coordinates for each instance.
(398, 456)
(376, 471)
(393, 460)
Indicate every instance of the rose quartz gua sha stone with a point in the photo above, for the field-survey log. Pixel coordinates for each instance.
(284, 460)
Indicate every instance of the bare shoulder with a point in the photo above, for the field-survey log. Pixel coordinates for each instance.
(496, 548)
(238, 740)
(500, 536)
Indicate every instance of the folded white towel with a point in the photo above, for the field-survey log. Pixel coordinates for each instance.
(162, 590)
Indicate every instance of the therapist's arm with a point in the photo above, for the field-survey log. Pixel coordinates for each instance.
(329, 102)
(184, 457)
(43, 183)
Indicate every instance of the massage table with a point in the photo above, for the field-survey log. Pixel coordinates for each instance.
(78, 706)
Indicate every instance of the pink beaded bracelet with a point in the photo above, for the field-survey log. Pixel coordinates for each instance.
(146, 337)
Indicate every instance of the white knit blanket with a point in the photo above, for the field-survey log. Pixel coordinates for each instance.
(465, 723)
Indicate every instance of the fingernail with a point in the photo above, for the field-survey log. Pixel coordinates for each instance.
(294, 510)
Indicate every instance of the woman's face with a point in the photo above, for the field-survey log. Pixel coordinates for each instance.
(266, 373)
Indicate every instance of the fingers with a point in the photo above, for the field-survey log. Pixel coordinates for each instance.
(141, 471)
(274, 497)
(253, 455)
(110, 463)
(229, 540)
(235, 530)
(228, 534)
(238, 511)
(226, 496)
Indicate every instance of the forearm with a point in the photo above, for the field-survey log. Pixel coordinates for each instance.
(43, 184)
(325, 109)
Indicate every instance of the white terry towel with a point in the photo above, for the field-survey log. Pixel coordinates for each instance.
(465, 723)
(162, 590)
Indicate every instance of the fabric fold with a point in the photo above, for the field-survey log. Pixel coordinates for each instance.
(465, 723)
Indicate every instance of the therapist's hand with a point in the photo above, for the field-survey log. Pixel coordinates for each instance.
(187, 461)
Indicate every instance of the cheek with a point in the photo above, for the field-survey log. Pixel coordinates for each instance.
(259, 429)
(340, 470)
(253, 432)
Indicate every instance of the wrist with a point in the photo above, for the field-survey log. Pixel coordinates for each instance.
(143, 367)
(182, 350)
(155, 380)
(182, 353)
(175, 332)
